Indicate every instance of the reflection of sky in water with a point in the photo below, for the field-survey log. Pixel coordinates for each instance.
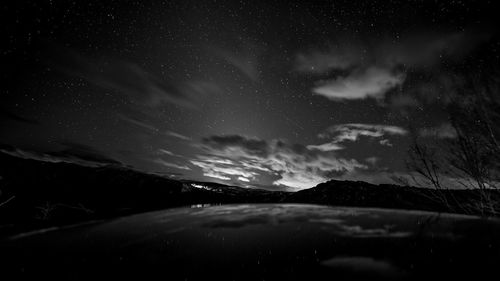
(365, 266)
(387, 243)
(339, 221)
(352, 222)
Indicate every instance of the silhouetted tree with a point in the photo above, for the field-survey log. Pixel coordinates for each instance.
(46, 210)
(469, 155)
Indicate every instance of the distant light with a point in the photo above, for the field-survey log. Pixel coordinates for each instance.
(195, 206)
(200, 186)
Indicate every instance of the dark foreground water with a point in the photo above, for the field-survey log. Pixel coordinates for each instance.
(261, 242)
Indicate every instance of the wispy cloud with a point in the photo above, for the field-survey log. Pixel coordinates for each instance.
(358, 72)
(243, 179)
(294, 165)
(372, 160)
(211, 168)
(362, 83)
(329, 146)
(177, 136)
(236, 145)
(385, 142)
(214, 175)
(244, 58)
(351, 132)
(130, 79)
(74, 153)
(151, 128)
(138, 123)
(165, 152)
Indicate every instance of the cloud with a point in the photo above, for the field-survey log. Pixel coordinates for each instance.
(171, 165)
(237, 145)
(130, 79)
(294, 166)
(164, 151)
(138, 123)
(215, 175)
(243, 179)
(83, 152)
(372, 160)
(353, 131)
(365, 266)
(414, 50)
(254, 164)
(385, 142)
(222, 170)
(291, 165)
(219, 168)
(441, 89)
(215, 160)
(359, 71)
(178, 136)
(244, 58)
(362, 83)
(329, 146)
(148, 126)
(73, 153)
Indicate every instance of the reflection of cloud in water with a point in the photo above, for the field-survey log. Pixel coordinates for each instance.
(276, 210)
(355, 223)
(327, 221)
(341, 228)
(360, 232)
(274, 240)
(238, 222)
(364, 266)
(244, 215)
(334, 219)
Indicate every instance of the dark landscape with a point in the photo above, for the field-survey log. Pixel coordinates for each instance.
(249, 140)
(45, 194)
(263, 241)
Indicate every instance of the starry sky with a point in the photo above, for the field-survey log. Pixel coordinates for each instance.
(280, 95)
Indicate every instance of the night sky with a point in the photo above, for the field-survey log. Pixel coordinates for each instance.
(280, 95)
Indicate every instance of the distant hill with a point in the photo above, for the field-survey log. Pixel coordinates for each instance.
(363, 194)
(37, 193)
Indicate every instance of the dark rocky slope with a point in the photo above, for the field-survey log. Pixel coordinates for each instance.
(35, 193)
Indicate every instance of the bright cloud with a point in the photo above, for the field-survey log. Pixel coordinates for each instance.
(243, 179)
(221, 170)
(330, 146)
(358, 71)
(297, 166)
(371, 82)
(353, 131)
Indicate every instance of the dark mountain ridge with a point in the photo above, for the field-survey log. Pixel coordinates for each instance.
(36, 193)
